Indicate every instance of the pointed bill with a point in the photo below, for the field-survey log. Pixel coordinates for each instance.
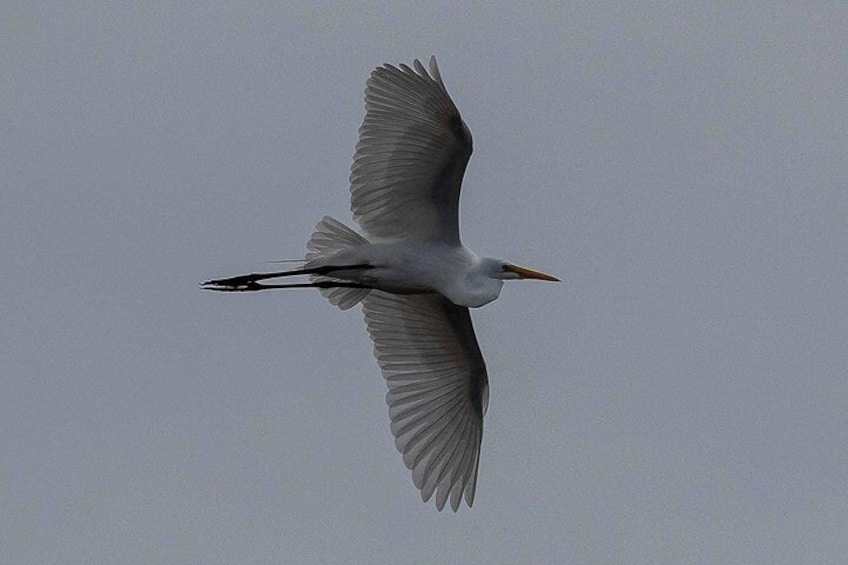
(526, 273)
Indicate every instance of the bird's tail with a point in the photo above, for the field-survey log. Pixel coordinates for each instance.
(329, 237)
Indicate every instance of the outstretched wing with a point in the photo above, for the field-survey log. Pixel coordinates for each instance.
(411, 156)
(438, 389)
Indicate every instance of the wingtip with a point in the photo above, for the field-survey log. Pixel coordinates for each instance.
(434, 70)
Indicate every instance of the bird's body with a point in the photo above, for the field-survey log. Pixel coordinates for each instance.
(412, 275)
(414, 267)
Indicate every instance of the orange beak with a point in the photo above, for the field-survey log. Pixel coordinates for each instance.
(525, 273)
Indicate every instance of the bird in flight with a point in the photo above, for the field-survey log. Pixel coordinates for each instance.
(414, 278)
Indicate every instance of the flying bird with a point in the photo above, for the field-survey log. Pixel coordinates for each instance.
(412, 275)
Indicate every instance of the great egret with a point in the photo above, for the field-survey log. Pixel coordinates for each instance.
(413, 276)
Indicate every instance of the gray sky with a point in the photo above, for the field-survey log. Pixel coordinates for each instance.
(681, 398)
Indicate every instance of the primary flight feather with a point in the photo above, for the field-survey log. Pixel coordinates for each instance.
(413, 276)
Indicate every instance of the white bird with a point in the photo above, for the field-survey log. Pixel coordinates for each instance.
(414, 278)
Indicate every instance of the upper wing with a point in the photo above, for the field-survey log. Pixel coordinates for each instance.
(438, 389)
(411, 156)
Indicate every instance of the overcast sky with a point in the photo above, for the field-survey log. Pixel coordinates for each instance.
(681, 398)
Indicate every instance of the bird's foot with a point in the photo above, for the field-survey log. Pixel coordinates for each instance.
(242, 283)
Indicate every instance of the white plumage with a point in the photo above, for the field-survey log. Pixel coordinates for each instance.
(413, 276)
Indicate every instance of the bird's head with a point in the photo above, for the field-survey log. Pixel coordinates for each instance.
(483, 283)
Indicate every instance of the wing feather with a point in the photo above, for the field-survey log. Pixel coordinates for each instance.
(411, 156)
(438, 389)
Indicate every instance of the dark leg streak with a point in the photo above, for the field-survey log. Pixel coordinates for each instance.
(248, 282)
(253, 286)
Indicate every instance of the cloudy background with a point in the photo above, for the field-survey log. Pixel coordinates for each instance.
(681, 398)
